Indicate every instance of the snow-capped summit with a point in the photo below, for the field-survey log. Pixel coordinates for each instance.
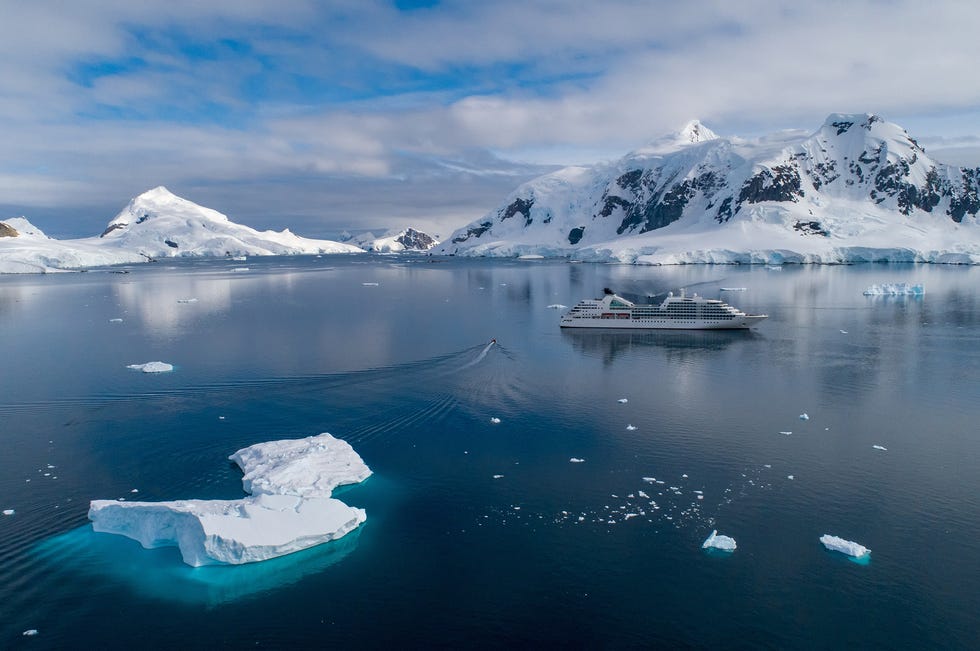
(160, 202)
(857, 189)
(408, 239)
(691, 133)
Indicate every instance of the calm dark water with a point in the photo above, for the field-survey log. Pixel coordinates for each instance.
(551, 553)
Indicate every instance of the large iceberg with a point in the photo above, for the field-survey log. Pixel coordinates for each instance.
(894, 289)
(848, 547)
(290, 507)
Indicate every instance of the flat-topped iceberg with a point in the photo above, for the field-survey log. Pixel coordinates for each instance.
(724, 543)
(290, 508)
(152, 367)
(895, 289)
(833, 543)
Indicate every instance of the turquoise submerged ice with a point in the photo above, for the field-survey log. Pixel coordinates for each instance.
(290, 507)
(894, 289)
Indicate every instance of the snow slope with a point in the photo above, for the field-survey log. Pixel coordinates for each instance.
(858, 189)
(156, 224)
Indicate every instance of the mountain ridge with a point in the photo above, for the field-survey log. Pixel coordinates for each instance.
(856, 189)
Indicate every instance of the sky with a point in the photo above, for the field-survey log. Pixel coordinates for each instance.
(324, 116)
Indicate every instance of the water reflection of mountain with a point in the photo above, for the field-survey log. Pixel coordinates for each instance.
(609, 344)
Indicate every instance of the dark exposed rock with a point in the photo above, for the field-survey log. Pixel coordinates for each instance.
(842, 126)
(6, 230)
(142, 219)
(781, 183)
(575, 235)
(415, 240)
(724, 211)
(522, 206)
(811, 228)
(112, 227)
(473, 231)
(170, 243)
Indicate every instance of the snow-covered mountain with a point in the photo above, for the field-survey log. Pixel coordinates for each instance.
(858, 189)
(408, 239)
(156, 224)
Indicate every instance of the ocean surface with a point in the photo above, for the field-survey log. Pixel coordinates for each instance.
(483, 534)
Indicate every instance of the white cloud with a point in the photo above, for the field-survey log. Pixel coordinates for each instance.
(353, 90)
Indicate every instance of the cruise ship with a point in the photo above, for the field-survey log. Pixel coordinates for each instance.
(675, 313)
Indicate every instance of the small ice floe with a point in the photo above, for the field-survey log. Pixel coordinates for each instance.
(843, 332)
(370, 284)
(894, 289)
(630, 428)
(851, 548)
(8, 511)
(684, 476)
(187, 300)
(240, 269)
(650, 480)
(576, 460)
(31, 632)
(733, 289)
(790, 477)
(152, 367)
(880, 447)
(557, 306)
(135, 490)
(498, 476)
(714, 541)
(117, 320)
(494, 420)
(623, 401)
(804, 416)
(786, 433)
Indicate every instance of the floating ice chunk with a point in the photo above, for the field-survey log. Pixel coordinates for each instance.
(240, 269)
(650, 480)
(370, 284)
(643, 495)
(290, 507)
(135, 490)
(843, 332)
(115, 320)
(152, 367)
(790, 477)
(894, 289)
(8, 511)
(576, 460)
(623, 401)
(187, 300)
(494, 420)
(498, 476)
(733, 289)
(848, 547)
(804, 416)
(684, 476)
(786, 433)
(879, 447)
(714, 541)
(557, 306)
(630, 428)
(31, 632)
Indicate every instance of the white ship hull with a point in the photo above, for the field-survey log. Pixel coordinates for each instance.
(675, 313)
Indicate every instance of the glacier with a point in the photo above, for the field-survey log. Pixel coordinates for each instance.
(290, 507)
